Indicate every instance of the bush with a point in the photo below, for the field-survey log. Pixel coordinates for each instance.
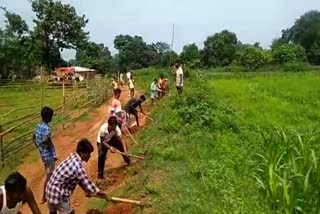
(230, 68)
(199, 109)
(288, 53)
(253, 58)
(295, 67)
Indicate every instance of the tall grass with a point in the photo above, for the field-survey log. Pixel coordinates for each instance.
(214, 149)
(289, 172)
(198, 159)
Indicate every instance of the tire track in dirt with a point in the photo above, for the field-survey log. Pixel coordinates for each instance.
(65, 142)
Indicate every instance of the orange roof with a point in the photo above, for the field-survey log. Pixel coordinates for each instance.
(66, 70)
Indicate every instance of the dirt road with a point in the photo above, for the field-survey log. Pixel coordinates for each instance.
(65, 143)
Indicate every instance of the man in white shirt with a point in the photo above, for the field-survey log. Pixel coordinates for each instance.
(128, 75)
(179, 78)
(121, 79)
(109, 138)
(131, 87)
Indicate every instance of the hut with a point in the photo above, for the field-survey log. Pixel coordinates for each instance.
(86, 73)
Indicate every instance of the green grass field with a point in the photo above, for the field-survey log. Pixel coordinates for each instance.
(28, 99)
(234, 145)
(10, 99)
(291, 101)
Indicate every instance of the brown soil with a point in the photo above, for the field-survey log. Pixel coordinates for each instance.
(114, 209)
(65, 143)
(119, 209)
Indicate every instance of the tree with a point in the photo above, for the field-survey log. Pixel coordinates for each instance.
(57, 27)
(153, 56)
(168, 58)
(253, 58)
(191, 55)
(15, 46)
(161, 47)
(15, 24)
(288, 53)
(257, 45)
(278, 42)
(306, 32)
(134, 53)
(314, 53)
(220, 49)
(95, 56)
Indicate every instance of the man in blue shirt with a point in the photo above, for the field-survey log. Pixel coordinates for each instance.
(42, 139)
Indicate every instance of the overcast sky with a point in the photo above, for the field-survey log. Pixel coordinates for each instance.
(252, 20)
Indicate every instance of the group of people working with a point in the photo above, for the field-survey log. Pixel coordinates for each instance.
(61, 181)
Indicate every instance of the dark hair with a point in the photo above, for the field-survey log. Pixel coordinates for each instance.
(112, 121)
(142, 97)
(117, 91)
(16, 183)
(46, 113)
(161, 76)
(155, 79)
(84, 146)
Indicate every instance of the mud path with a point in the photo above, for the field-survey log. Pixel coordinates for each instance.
(65, 143)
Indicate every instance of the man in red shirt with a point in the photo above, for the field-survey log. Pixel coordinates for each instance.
(116, 109)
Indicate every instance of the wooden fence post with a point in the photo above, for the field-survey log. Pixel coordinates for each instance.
(63, 103)
(1, 148)
(42, 87)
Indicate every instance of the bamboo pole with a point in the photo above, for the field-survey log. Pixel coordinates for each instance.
(17, 109)
(1, 148)
(16, 126)
(63, 104)
(42, 87)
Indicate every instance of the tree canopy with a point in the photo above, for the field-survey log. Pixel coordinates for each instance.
(190, 55)
(134, 53)
(95, 56)
(220, 49)
(306, 32)
(57, 26)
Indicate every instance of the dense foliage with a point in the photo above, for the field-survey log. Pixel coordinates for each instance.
(250, 145)
(57, 26)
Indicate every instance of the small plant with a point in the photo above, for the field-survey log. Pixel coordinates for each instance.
(289, 172)
(152, 189)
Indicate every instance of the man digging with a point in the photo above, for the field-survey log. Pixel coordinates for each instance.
(67, 176)
(131, 109)
(109, 137)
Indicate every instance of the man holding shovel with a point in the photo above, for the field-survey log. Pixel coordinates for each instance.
(131, 108)
(109, 138)
(67, 176)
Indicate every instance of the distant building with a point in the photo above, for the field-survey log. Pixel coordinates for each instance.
(86, 73)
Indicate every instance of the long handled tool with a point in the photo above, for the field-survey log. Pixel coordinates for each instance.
(130, 135)
(128, 201)
(129, 155)
(146, 116)
(121, 200)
